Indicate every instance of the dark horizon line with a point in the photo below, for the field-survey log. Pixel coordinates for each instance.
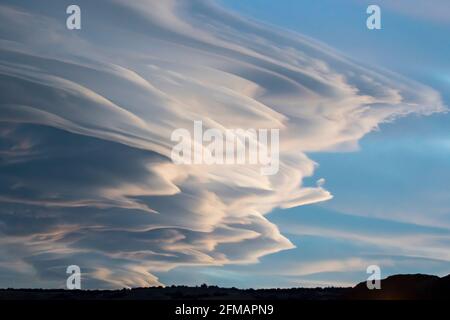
(213, 286)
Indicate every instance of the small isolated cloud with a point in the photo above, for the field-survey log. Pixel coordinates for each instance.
(86, 118)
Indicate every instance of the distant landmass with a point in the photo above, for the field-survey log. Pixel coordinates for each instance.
(405, 287)
(397, 287)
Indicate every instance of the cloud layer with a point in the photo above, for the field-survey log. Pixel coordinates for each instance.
(86, 118)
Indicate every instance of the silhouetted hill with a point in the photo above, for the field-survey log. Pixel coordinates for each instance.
(405, 287)
(398, 287)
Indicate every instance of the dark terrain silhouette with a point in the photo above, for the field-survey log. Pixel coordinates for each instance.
(405, 287)
(397, 287)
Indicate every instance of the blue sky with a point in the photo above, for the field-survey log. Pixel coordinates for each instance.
(412, 153)
(397, 184)
(86, 119)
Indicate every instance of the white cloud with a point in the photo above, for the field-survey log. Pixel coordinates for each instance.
(102, 186)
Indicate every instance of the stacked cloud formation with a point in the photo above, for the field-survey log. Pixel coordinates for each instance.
(86, 118)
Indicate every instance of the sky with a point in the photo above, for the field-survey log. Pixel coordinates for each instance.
(85, 170)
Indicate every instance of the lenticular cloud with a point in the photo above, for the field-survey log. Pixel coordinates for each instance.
(86, 119)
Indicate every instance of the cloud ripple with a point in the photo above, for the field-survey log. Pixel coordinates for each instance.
(86, 118)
